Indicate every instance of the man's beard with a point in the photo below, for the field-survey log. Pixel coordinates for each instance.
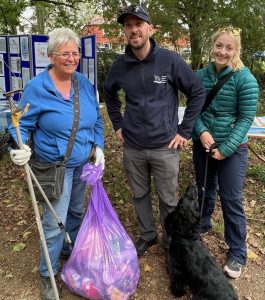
(138, 46)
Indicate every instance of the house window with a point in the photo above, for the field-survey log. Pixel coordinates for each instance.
(107, 46)
(122, 47)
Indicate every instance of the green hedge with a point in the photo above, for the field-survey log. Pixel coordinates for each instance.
(104, 60)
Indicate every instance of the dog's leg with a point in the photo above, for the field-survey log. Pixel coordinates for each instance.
(177, 284)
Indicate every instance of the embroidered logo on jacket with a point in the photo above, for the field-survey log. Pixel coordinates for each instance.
(160, 79)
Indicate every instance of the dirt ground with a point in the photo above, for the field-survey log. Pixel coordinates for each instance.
(19, 238)
(19, 279)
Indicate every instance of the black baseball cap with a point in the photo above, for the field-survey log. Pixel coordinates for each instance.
(135, 10)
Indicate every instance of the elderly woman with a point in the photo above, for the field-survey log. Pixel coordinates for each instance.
(225, 124)
(50, 119)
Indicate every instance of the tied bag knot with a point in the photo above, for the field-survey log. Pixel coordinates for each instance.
(91, 174)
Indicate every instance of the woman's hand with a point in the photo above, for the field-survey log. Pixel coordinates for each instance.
(206, 140)
(100, 158)
(216, 154)
(20, 156)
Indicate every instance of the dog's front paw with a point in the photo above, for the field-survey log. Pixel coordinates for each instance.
(177, 291)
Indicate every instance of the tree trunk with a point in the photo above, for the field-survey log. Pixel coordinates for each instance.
(40, 19)
(196, 49)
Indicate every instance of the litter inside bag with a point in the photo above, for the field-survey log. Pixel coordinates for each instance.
(103, 263)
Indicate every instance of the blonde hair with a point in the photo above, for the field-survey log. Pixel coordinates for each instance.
(235, 35)
(61, 36)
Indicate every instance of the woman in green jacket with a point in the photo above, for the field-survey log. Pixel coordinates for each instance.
(225, 124)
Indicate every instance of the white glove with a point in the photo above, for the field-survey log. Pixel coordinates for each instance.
(100, 158)
(20, 156)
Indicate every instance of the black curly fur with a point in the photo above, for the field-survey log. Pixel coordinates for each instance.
(190, 264)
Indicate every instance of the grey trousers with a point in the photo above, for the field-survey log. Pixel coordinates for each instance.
(163, 165)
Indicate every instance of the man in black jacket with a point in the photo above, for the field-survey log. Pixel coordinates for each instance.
(151, 78)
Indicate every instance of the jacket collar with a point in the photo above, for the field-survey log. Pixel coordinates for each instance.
(48, 83)
(212, 70)
(130, 56)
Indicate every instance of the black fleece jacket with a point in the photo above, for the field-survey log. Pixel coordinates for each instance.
(151, 87)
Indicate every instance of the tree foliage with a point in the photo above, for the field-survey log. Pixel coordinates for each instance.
(202, 18)
(47, 14)
(56, 13)
(173, 19)
(199, 20)
(10, 11)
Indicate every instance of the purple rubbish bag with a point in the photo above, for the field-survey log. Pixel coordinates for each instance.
(103, 263)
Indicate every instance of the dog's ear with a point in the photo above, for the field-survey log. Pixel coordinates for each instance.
(191, 191)
(169, 223)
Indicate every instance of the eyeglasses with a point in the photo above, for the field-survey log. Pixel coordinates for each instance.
(66, 55)
(234, 31)
(132, 9)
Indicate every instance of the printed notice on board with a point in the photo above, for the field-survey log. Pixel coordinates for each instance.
(2, 45)
(15, 64)
(14, 45)
(88, 47)
(2, 87)
(41, 57)
(16, 83)
(91, 71)
(2, 69)
(85, 67)
(25, 76)
(24, 48)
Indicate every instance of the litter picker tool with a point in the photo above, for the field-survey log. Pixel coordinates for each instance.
(59, 222)
(16, 114)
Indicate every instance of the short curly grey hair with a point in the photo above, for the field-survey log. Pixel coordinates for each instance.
(61, 36)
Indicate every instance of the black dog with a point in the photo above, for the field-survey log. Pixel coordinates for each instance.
(190, 264)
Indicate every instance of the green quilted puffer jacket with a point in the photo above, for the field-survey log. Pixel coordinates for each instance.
(231, 113)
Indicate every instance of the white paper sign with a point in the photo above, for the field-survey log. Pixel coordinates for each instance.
(88, 47)
(16, 83)
(91, 70)
(41, 57)
(2, 87)
(2, 66)
(2, 45)
(14, 45)
(24, 48)
(15, 64)
(25, 76)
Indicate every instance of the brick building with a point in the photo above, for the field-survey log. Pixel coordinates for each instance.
(118, 44)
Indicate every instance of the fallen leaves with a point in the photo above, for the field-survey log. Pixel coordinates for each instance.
(147, 268)
(252, 255)
(26, 234)
(22, 222)
(9, 275)
(19, 247)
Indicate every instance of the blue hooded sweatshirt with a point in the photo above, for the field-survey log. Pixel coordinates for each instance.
(152, 87)
(50, 119)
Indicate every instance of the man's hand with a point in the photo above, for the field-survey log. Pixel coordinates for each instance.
(119, 135)
(178, 142)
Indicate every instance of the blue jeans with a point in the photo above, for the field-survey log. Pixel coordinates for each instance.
(228, 175)
(69, 208)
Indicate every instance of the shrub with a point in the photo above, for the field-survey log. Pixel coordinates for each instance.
(105, 59)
